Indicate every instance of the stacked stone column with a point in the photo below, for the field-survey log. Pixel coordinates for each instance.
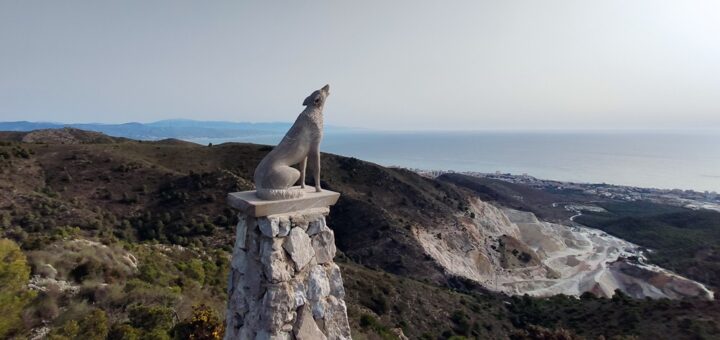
(283, 282)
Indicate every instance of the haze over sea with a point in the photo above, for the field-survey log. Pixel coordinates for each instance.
(667, 159)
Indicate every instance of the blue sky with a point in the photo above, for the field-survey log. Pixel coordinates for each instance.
(396, 65)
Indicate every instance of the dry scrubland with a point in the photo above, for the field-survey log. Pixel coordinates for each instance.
(131, 240)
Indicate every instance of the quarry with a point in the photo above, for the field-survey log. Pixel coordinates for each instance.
(513, 252)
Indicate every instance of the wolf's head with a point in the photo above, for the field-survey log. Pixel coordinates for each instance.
(317, 98)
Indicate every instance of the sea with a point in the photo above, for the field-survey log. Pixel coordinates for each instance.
(649, 159)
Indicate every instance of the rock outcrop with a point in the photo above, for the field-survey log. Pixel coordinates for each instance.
(283, 282)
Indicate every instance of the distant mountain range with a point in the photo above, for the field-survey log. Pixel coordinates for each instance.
(172, 128)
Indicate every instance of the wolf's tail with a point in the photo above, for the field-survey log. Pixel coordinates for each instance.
(280, 194)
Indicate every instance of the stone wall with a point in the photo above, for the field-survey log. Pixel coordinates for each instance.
(283, 282)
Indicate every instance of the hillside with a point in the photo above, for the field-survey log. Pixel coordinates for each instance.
(684, 240)
(142, 228)
(520, 197)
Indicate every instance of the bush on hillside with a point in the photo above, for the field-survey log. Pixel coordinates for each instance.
(14, 295)
(204, 324)
(93, 326)
(150, 318)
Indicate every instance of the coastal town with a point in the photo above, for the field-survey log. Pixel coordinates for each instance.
(685, 198)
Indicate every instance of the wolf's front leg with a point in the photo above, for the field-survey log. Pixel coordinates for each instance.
(303, 166)
(315, 162)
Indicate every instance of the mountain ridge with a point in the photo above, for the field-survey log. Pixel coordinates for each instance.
(169, 128)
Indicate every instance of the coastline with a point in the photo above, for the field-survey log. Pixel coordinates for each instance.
(690, 199)
(648, 160)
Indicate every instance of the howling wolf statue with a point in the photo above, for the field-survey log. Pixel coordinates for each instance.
(275, 176)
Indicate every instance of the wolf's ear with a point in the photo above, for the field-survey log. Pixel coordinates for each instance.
(307, 101)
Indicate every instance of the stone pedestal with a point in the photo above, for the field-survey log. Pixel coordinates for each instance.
(283, 282)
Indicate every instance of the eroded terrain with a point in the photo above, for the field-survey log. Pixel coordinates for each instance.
(511, 251)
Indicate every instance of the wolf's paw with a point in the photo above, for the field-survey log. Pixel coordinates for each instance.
(279, 194)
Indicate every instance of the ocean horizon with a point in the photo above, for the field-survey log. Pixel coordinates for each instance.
(651, 159)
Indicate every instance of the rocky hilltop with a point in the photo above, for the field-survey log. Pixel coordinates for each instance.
(419, 256)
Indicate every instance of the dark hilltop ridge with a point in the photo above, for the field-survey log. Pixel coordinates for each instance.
(130, 239)
(170, 128)
(65, 135)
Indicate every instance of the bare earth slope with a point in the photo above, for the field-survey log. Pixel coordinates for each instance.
(589, 260)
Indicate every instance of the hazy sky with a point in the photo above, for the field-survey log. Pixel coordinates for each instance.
(390, 64)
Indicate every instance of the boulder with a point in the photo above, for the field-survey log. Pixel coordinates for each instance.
(336, 283)
(278, 307)
(300, 298)
(276, 265)
(324, 245)
(298, 245)
(239, 260)
(284, 228)
(241, 233)
(270, 226)
(318, 310)
(263, 335)
(306, 328)
(336, 322)
(318, 285)
(316, 226)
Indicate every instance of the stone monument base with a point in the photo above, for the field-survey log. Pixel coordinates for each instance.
(283, 282)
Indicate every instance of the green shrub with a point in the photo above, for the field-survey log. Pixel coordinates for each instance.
(123, 332)
(155, 334)
(68, 331)
(370, 323)
(536, 332)
(149, 318)
(462, 324)
(14, 295)
(367, 321)
(204, 324)
(153, 272)
(195, 270)
(21, 152)
(138, 291)
(94, 326)
(5, 220)
(45, 307)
